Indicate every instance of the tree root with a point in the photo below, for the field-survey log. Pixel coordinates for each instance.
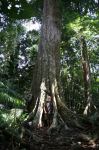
(69, 117)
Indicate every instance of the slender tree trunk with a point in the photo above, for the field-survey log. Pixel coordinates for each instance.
(86, 76)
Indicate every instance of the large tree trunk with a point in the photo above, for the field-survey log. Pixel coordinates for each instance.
(47, 71)
(48, 66)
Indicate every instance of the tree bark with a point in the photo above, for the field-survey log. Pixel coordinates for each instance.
(48, 62)
(47, 71)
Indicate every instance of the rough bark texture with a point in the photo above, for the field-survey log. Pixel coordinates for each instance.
(48, 66)
(48, 63)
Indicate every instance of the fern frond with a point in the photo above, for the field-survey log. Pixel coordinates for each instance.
(10, 98)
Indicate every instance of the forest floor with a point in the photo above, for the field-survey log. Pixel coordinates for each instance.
(39, 139)
(73, 139)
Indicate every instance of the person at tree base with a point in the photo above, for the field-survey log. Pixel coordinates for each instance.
(47, 116)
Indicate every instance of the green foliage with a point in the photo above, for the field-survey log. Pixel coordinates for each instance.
(11, 111)
(21, 9)
(74, 27)
(10, 98)
(17, 56)
(10, 122)
(18, 50)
